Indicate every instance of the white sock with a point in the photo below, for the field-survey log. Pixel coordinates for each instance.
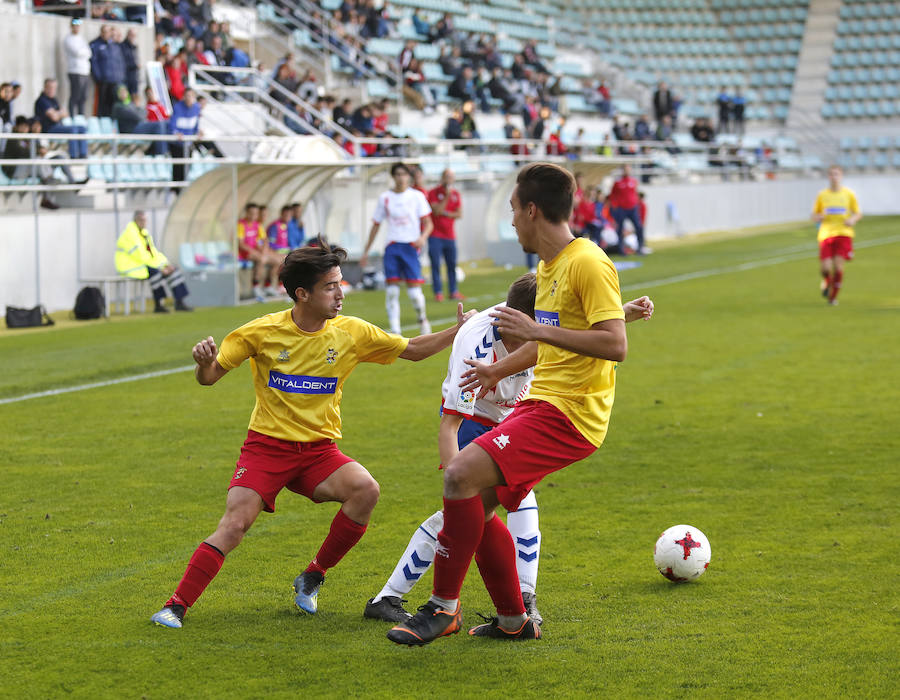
(417, 297)
(416, 560)
(511, 623)
(445, 604)
(392, 304)
(523, 526)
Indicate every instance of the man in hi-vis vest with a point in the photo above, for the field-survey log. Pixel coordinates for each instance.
(138, 257)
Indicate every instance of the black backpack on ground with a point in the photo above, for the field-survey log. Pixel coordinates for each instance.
(89, 304)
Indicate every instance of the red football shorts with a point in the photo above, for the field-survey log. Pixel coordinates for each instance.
(537, 439)
(836, 247)
(268, 465)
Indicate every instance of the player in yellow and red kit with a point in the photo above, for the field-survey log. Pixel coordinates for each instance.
(837, 212)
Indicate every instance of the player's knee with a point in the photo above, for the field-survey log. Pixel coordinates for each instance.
(456, 480)
(366, 492)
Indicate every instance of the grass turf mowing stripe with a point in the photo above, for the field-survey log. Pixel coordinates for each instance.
(787, 255)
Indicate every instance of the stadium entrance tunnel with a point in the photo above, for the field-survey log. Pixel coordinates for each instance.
(201, 228)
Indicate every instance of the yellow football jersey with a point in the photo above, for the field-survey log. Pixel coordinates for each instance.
(835, 207)
(578, 288)
(299, 376)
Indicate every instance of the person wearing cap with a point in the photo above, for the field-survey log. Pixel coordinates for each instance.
(78, 67)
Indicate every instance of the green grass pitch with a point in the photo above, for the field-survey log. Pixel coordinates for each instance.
(747, 407)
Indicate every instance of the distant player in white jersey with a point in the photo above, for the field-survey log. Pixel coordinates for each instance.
(463, 418)
(407, 217)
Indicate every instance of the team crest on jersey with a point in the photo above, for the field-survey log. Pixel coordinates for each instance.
(553, 288)
(331, 356)
(239, 473)
(284, 356)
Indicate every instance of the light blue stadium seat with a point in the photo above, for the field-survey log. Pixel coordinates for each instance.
(163, 169)
(93, 125)
(107, 126)
(842, 109)
(827, 111)
(861, 161)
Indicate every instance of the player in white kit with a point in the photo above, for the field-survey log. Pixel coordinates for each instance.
(407, 217)
(463, 418)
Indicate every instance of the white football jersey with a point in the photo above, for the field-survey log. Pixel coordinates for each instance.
(479, 340)
(403, 212)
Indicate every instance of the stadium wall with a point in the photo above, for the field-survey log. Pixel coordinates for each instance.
(73, 239)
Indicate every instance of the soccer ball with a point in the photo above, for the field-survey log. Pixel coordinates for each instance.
(682, 553)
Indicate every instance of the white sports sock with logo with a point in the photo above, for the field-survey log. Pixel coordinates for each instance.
(416, 560)
(392, 304)
(418, 301)
(523, 526)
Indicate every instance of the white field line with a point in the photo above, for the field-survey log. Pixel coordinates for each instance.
(788, 255)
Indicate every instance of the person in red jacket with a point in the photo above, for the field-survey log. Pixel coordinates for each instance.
(624, 206)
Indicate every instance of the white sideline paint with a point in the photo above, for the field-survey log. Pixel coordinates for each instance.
(788, 255)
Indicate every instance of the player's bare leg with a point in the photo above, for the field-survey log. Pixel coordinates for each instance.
(242, 506)
(827, 270)
(357, 492)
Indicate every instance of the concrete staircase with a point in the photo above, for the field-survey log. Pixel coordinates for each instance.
(805, 123)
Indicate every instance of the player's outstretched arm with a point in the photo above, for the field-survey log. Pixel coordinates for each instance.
(208, 371)
(423, 346)
(483, 376)
(637, 309)
(605, 340)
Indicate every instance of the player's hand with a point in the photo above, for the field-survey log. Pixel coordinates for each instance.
(461, 316)
(512, 323)
(419, 243)
(205, 352)
(479, 378)
(638, 308)
(364, 261)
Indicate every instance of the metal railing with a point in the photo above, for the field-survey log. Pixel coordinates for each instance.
(85, 9)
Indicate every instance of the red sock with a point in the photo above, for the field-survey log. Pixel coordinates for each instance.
(836, 285)
(457, 542)
(201, 569)
(496, 559)
(343, 535)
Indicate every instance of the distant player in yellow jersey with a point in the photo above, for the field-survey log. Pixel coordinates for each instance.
(575, 339)
(837, 212)
(299, 359)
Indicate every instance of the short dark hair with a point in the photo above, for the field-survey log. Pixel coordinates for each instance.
(400, 166)
(303, 267)
(285, 208)
(521, 294)
(550, 188)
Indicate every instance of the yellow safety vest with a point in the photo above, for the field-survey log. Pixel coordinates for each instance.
(135, 252)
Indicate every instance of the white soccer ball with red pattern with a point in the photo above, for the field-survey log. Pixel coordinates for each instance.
(682, 553)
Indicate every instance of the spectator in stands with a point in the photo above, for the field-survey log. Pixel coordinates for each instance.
(50, 115)
(184, 122)
(555, 145)
(341, 114)
(446, 208)
(78, 67)
(115, 68)
(676, 108)
(605, 148)
(624, 206)
(519, 68)
(5, 110)
(442, 29)
(407, 54)
(287, 82)
(363, 120)
(450, 60)
(16, 91)
(738, 103)
(156, 110)
(380, 118)
(198, 19)
(467, 123)
(539, 125)
(453, 127)
(195, 51)
(296, 231)
(422, 27)
(702, 131)
(662, 101)
(103, 91)
(215, 55)
(138, 257)
(520, 148)
(286, 60)
(582, 208)
(416, 89)
(20, 149)
(131, 61)
(130, 119)
(499, 91)
(642, 128)
(723, 104)
(603, 99)
(531, 58)
(308, 89)
(174, 69)
(664, 133)
(463, 87)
